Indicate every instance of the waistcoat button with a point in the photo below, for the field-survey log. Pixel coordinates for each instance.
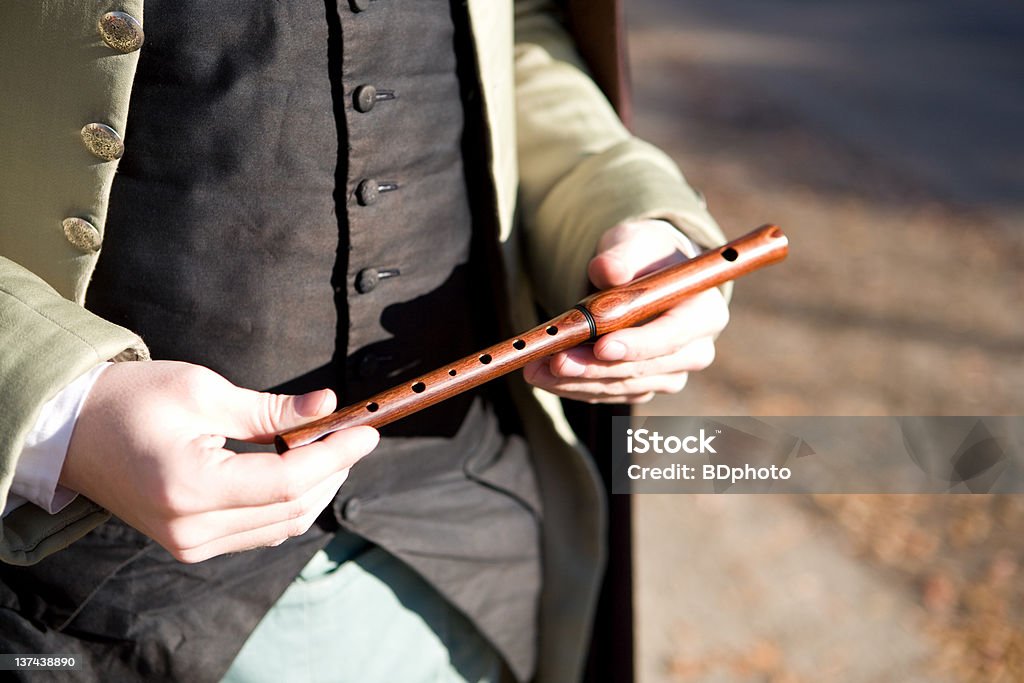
(359, 5)
(366, 280)
(367, 191)
(82, 234)
(103, 141)
(364, 97)
(121, 31)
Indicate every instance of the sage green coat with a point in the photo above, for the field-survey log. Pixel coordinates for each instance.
(564, 170)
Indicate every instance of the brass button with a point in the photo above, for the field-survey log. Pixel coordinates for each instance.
(82, 234)
(103, 141)
(121, 31)
(364, 97)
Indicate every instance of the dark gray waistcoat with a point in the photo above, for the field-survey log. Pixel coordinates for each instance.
(293, 211)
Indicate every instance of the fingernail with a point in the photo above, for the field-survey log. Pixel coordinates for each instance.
(613, 351)
(308, 405)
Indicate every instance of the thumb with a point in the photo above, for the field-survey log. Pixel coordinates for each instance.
(630, 250)
(258, 416)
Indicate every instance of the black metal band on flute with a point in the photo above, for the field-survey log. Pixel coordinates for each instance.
(590, 321)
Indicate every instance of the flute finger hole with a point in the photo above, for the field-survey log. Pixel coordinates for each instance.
(519, 344)
(552, 330)
(730, 254)
(485, 358)
(419, 387)
(372, 407)
(453, 372)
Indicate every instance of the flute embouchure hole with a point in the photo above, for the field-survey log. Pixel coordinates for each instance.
(552, 330)
(419, 387)
(453, 372)
(372, 407)
(485, 358)
(730, 254)
(519, 344)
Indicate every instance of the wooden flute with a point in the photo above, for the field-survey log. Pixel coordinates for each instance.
(598, 314)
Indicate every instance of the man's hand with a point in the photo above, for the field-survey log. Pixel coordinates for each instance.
(149, 447)
(635, 364)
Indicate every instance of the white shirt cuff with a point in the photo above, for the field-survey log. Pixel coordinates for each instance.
(42, 457)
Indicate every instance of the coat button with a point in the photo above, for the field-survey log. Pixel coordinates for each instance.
(82, 234)
(367, 191)
(121, 31)
(364, 97)
(103, 141)
(359, 5)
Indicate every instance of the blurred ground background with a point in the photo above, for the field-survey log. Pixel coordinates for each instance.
(887, 139)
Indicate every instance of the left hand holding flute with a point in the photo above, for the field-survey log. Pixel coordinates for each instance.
(635, 364)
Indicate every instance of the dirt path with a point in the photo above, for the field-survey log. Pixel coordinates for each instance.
(902, 296)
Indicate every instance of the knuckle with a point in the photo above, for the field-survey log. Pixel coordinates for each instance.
(642, 398)
(296, 509)
(271, 408)
(557, 367)
(625, 387)
(532, 373)
(297, 527)
(179, 536)
(286, 492)
(644, 368)
(597, 390)
(288, 489)
(173, 503)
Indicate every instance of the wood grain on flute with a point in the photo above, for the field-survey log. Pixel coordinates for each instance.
(603, 312)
